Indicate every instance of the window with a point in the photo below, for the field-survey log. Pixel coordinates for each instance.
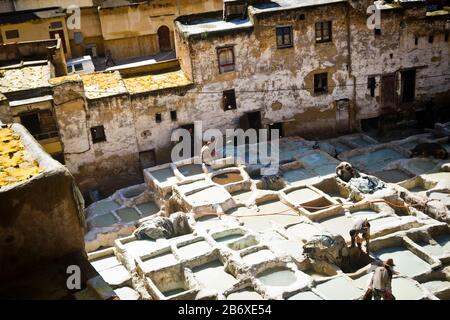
(78, 67)
(12, 34)
(408, 85)
(158, 118)
(173, 115)
(284, 37)
(446, 37)
(41, 124)
(98, 134)
(377, 32)
(323, 31)
(229, 100)
(147, 159)
(31, 122)
(78, 37)
(416, 41)
(56, 25)
(226, 59)
(232, 10)
(321, 83)
(430, 39)
(371, 84)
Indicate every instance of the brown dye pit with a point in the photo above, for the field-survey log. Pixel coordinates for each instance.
(226, 178)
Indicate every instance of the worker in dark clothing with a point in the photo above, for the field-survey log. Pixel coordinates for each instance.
(381, 283)
(108, 59)
(361, 227)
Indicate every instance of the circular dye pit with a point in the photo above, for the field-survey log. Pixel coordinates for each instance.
(245, 294)
(365, 214)
(226, 178)
(277, 277)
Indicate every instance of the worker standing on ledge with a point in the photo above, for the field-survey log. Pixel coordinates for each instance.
(361, 227)
(208, 152)
(381, 283)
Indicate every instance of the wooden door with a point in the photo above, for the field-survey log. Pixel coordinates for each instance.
(388, 91)
(164, 39)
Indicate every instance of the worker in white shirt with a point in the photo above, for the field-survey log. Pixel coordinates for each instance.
(208, 152)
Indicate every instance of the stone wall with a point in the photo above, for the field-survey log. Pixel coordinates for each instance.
(277, 82)
(42, 218)
(395, 50)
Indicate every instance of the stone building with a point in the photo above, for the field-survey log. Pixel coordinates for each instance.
(308, 69)
(125, 29)
(37, 24)
(25, 71)
(286, 64)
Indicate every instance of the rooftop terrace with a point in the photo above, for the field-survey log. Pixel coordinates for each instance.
(26, 77)
(16, 164)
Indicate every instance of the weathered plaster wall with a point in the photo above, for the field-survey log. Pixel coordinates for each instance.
(131, 31)
(42, 218)
(5, 110)
(91, 30)
(395, 50)
(35, 30)
(106, 165)
(36, 4)
(279, 82)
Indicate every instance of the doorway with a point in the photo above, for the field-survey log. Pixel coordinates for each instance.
(388, 91)
(370, 125)
(408, 85)
(164, 39)
(343, 116)
(250, 120)
(191, 129)
(147, 159)
(276, 126)
(31, 122)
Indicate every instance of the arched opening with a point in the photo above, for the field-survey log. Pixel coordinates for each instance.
(164, 39)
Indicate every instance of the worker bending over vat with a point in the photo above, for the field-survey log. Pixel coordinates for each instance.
(361, 227)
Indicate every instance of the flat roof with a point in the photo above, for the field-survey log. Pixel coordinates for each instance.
(212, 23)
(103, 84)
(17, 103)
(155, 82)
(27, 15)
(16, 163)
(279, 5)
(25, 78)
(78, 60)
